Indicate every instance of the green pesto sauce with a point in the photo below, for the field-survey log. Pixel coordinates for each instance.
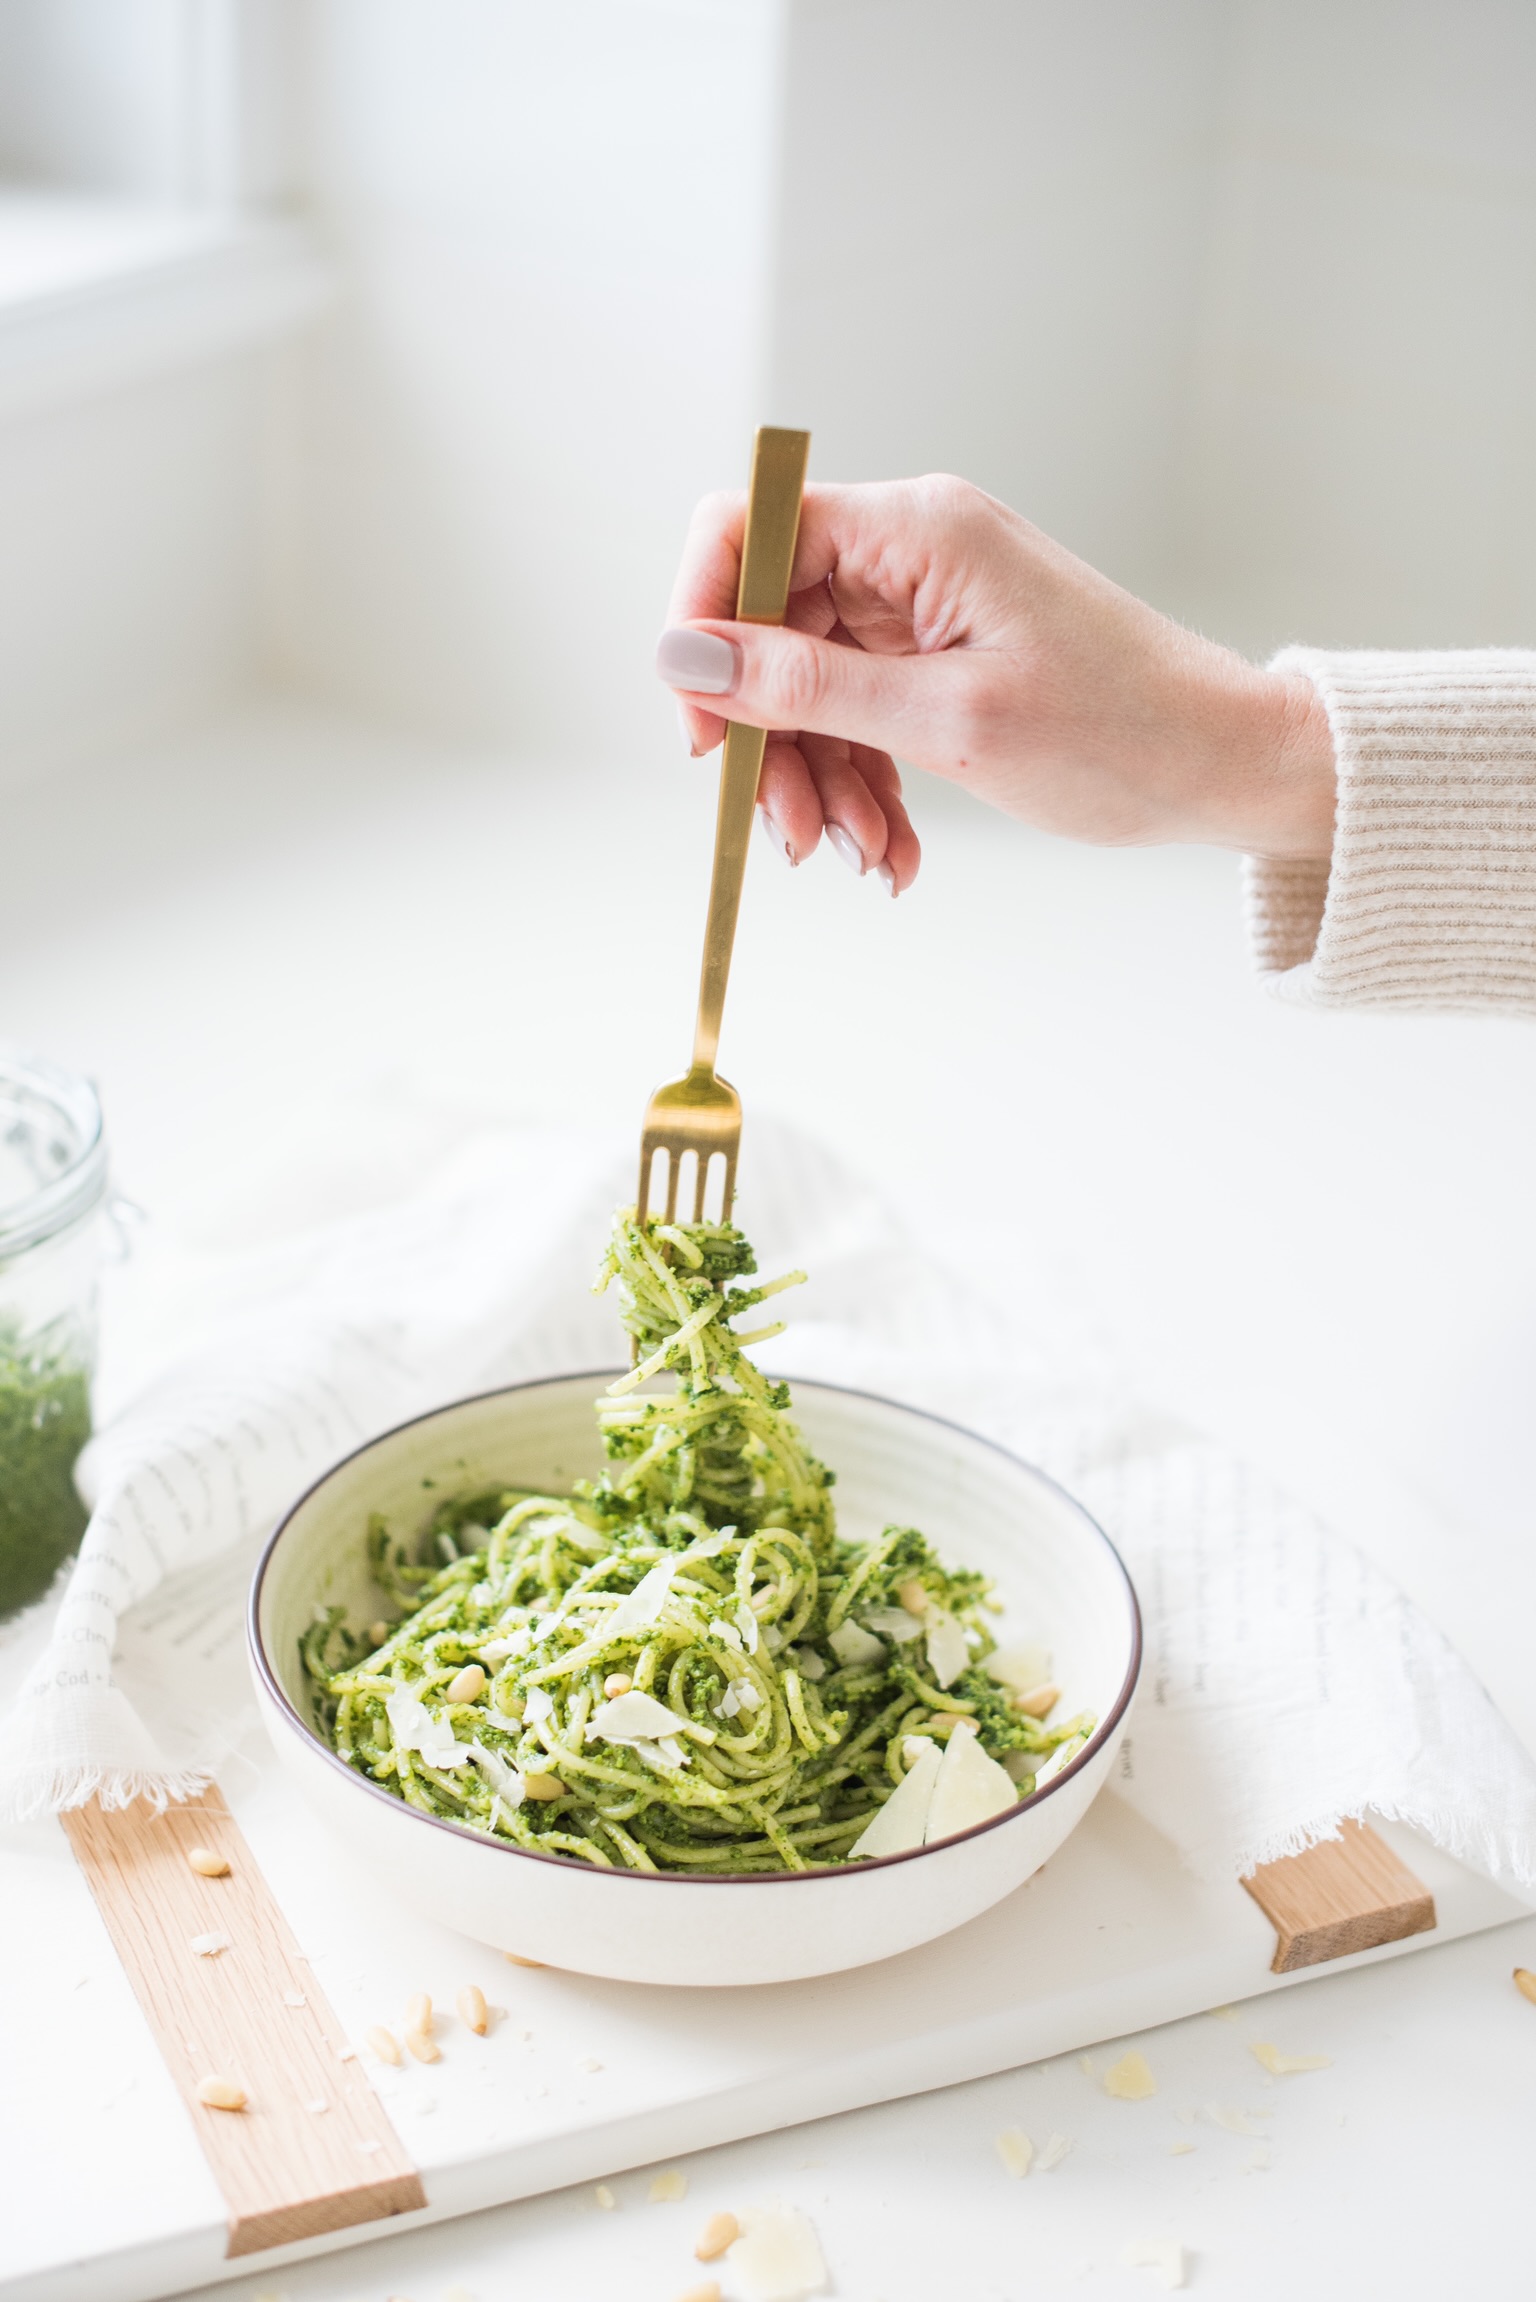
(45, 1420)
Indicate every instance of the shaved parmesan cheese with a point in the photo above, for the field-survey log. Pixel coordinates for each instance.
(902, 1822)
(897, 1624)
(747, 1624)
(644, 1603)
(627, 1716)
(948, 1653)
(808, 1662)
(414, 1728)
(726, 1632)
(1284, 2064)
(711, 1547)
(777, 2257)
(850, 1644)
(1054, 2152)
(1020, 1667)
(501, 1650)
(1164, 2257)
(662, 1755)
(969, 1787)
(539, 1705)
(1130, 2079)
(1016, 2151)
(504, 1780)
(747, 1695)
(1060, 1758)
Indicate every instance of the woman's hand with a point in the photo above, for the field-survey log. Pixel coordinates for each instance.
(930, 623)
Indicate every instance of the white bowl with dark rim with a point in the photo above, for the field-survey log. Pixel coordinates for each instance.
(1060, 1579)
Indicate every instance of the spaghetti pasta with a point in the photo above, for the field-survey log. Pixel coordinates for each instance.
(682, 1666)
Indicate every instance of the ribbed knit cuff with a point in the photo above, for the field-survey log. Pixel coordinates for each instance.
(1429, 899)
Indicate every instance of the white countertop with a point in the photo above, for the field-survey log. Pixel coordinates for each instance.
(1312, 1231)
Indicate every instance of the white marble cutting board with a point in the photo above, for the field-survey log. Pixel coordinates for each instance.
(107, 2197)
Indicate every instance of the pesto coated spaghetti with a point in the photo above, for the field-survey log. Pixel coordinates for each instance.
(678, 1666)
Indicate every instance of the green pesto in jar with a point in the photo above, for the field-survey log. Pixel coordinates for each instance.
(45, 1420)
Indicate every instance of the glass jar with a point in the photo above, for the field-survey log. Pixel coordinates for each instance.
(53, 1181)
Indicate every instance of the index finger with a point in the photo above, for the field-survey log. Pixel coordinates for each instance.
(705, 587)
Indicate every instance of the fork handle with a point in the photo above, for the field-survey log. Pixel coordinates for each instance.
(767, 556)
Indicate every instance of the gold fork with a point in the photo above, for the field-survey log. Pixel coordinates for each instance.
(701, 1113)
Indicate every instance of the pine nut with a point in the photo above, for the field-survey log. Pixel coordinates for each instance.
(1039, 1701)
(473, 2011)
(708, 2292)
(667, 2188)
(543, 1786)
(513, 1958)
(720, 2231)
(617, 1683)
(942, 1723)
(385, 2045)
(206, 1863)
(220, 2094)
(418, 2014)
(468, 1687)
(378, 1633)
(605, 2198)
(1525, 1983)
(423, 2046)
(913, 1596)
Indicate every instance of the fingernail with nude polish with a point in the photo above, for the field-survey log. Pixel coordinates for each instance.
(886, 877)
(697, 661)
(776, 839)
(686, 732)
(847, 847)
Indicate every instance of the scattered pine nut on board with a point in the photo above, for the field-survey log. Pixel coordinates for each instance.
(248, 2039)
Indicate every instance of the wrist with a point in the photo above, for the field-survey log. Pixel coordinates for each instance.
(1271, 775)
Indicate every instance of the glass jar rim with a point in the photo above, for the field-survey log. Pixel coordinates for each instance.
(80, 1184)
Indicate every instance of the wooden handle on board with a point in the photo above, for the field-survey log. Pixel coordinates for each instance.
(1345, 1894)
(313, 2150)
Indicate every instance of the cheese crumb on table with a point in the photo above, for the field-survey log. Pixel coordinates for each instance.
(209, 1945)
(1130, 2079)
(777, 2258)
(1016, 2151)
(667, 2188)
(1282, 2065)
(1164, 2257)
(605, 2198)
(1054, 2152)
(1179, 2149)
(1235, 2121)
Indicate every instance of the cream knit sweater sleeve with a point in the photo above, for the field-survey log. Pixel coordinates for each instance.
(1429, 897)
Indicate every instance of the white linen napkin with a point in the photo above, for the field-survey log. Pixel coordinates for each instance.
(1287, 1683)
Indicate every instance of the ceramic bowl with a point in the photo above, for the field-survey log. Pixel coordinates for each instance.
(1057, 1572)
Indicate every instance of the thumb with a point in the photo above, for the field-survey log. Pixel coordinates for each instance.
(767, 676)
